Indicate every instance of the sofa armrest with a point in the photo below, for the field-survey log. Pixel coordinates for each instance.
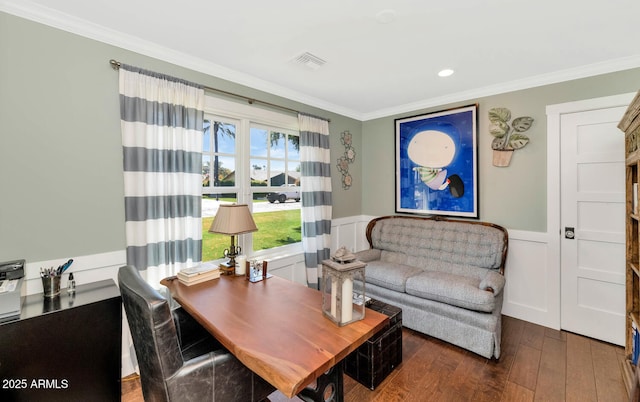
(493, 282)
(371, 254)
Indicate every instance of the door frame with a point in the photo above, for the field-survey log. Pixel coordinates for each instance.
(554, 230)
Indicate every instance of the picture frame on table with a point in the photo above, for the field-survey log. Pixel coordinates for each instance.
(436, 158)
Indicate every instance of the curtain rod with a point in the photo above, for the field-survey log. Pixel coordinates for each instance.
(116, 65)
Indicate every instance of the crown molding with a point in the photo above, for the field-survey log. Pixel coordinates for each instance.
(589, 70)
(68, 23)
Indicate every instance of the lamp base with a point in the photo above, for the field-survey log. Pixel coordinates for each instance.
(227, 268)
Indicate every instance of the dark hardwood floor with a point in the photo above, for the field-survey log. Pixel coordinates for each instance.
(537, 364)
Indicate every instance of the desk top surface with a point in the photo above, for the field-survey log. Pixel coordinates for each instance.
(274, 327)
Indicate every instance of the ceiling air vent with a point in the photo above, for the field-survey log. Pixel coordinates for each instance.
(308, 60)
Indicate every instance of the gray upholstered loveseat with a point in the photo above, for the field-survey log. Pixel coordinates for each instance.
(446, 275)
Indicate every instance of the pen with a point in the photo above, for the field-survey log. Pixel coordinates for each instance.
(64, 267)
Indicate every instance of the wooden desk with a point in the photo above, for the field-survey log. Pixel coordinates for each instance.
(274, 327)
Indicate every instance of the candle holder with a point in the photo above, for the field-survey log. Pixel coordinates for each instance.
(337, 291)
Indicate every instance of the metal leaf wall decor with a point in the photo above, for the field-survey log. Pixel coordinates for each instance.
(348, 157)
(509, 136)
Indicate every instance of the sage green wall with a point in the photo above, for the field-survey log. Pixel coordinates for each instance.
(513, 196)
(60, 146)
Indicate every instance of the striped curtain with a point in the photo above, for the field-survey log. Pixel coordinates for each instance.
(315, 185)
(161, 119)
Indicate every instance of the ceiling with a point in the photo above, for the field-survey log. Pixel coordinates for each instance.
(381, 57)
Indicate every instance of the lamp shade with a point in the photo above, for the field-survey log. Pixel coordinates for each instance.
(233, 220)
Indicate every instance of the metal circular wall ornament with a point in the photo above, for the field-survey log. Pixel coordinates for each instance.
(348, 157)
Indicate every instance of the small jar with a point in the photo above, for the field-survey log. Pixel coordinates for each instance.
(71, 284)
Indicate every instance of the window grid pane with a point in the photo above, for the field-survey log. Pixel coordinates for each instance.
(247, 167)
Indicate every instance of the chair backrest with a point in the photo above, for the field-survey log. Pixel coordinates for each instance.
(153, 331)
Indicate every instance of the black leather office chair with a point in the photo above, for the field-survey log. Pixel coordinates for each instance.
(178, 359)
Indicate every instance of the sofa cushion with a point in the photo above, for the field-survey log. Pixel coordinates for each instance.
(452, 289)
(389, 275)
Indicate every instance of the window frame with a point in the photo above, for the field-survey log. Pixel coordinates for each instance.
(245, 116)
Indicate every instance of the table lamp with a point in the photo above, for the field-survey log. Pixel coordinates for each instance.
(232, 220)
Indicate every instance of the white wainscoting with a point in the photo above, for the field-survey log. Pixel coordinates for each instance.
(350, 232)
(528, 269)
(86, 269)
(290, 267)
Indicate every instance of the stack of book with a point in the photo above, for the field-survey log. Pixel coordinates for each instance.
(198, 274)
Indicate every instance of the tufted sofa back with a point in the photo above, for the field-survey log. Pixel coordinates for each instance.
(439, 243)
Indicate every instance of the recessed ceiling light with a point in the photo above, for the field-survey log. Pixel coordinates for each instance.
(445, 73)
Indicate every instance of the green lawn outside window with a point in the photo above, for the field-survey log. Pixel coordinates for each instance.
(274, 230)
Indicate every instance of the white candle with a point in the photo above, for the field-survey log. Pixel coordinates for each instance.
(334, 296)
(241, 265)
(347, 300)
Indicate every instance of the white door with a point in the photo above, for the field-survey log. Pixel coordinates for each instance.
(592, 271)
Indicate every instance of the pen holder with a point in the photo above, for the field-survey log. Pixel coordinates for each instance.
(51, 286)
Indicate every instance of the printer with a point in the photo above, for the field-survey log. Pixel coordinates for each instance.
(11, 277)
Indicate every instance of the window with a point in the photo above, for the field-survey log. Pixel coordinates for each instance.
(219, 154)
(218, 179)
(251, 156)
